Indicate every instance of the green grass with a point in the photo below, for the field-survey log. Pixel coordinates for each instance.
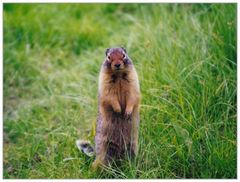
(185, 56)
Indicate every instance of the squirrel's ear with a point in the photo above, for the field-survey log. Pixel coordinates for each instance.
(107, 50)
(124, 49)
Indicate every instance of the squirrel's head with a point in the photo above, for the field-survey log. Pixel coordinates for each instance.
(117, 59)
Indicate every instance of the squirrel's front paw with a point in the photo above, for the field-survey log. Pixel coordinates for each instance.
(117, 109)
(128, 115)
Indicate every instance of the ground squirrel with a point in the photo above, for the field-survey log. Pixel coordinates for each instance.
(118, 109)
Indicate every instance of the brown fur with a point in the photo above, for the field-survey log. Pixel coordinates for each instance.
(118, 110)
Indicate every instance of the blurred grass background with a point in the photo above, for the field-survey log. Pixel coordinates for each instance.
(185, 55)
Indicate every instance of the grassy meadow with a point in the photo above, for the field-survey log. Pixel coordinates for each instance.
(185, 56)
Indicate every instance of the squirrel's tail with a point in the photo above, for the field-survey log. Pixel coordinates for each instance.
(85, 147)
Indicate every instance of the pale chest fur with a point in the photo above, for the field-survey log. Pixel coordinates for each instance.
(118, 85)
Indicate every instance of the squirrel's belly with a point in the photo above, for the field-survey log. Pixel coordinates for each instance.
(119, 138)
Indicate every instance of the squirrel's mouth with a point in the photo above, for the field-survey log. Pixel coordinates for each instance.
(118, 69)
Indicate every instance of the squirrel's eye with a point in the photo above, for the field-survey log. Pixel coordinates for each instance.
(123, 55)
(108, 57)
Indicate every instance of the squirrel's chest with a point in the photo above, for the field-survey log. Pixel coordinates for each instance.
(119, 89)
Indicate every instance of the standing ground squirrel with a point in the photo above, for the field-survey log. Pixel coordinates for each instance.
(118, 108)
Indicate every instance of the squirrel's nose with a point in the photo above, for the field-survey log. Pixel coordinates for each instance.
(117, 65)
